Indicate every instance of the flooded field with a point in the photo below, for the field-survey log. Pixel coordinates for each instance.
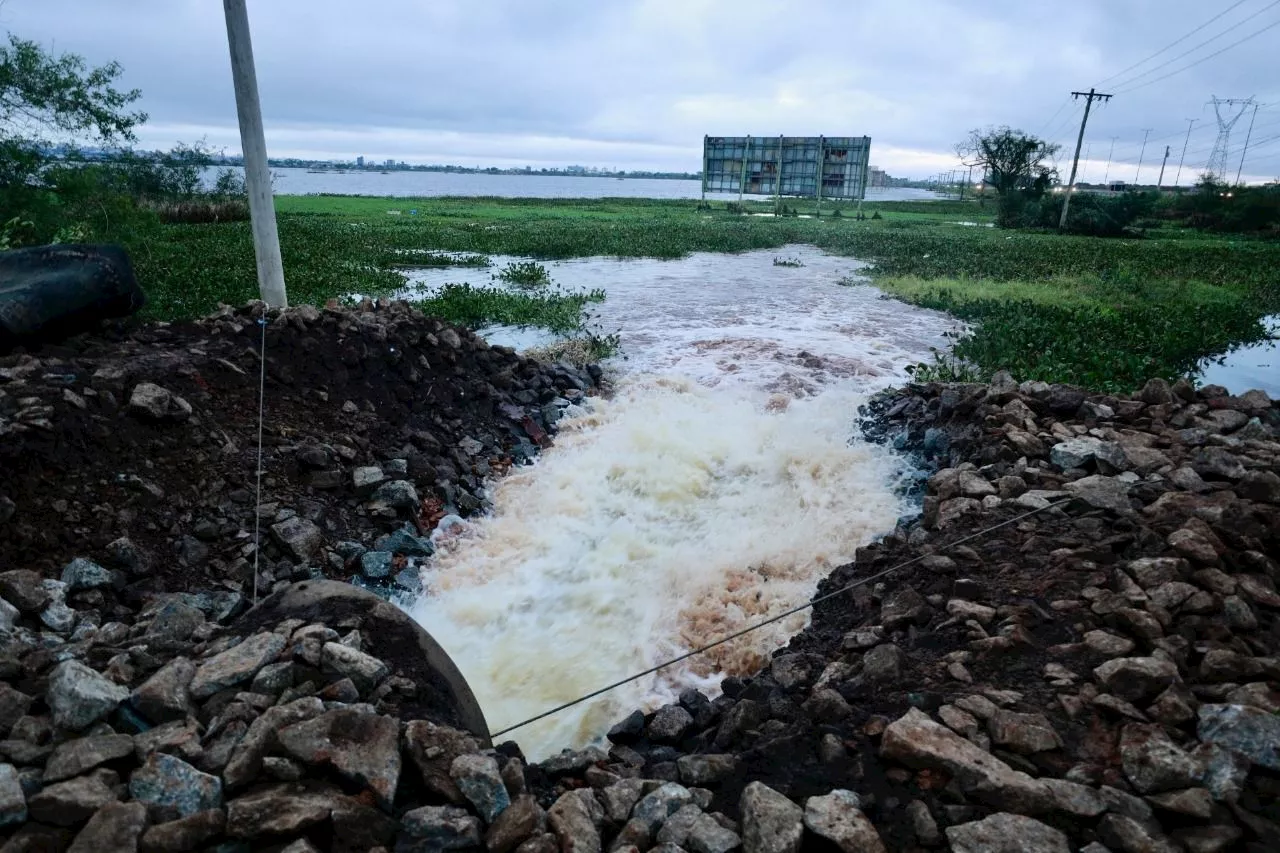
(718, 486)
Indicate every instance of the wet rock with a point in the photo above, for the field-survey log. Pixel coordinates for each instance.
(403, 541)
(827, 706)
(1108, 644)
(1077, 452)
(1195, 802)
(656, 806)
(176, 621)
(85, 574)
(363, 748)
(236, 665)
(245, 760)
(1249, 731)
(904, 607)
(1006, 833)
(669, 724)
(13, 705)
(398, 493)
(575, 818)
(1153, 763)
(675, 829)
(795, 671)
(83, 754)
(115, 827)
(153, 403)
(522, 819)
(1156, 392)
(165, 696)
(365, 671)
(79, 697)
(1207, 839)
(376, 564)
(173, 787)
(74, 801)
(1074, 798)
(917, 741)
(1130, 835)
(704, 770)
(366, 478)
(838, 818)
(432, 748)
(883, 664)
(1136, 679)
(1101, 492)
(480, 781)
(301, 538)
(709, 836)
(178, 737)
(1023, 733)
(621, 797)
(13, 802)
(629, 730)
(23, 589)
(285, 809)
(357, 826)
(771, 823)
(439, 828)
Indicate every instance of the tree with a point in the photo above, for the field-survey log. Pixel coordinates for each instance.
(42, 96)
(47, 100)
(1014, 161)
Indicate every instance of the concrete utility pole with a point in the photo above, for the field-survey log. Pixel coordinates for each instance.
(1247, 137)
(1106, 173)
(257, 172)
(1160, 180)
(1089, 97)
(1137, 176)
(1178, 178)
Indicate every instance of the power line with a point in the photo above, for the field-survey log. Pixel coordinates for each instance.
(1190, 51)
(1254, 34)
(747, 630)
(1172, 44)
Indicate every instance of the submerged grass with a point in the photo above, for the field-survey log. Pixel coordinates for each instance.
(1104, 313)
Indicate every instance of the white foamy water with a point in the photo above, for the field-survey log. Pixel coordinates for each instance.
(717, 487)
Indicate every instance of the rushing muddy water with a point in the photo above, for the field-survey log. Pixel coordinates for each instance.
(718, 486)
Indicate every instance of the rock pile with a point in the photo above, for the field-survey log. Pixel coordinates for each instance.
(1098, 676)
(141, 451)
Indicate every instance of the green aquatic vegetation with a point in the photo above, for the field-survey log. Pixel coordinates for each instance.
(526, 274)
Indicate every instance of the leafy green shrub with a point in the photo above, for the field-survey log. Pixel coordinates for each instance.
(527, 274)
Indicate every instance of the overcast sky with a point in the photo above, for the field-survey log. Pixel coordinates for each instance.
(634, 84)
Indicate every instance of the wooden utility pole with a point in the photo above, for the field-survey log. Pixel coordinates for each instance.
(1106, 173)
(1089, 97)
(1177, 179)
(1160, 180)
(257, 172)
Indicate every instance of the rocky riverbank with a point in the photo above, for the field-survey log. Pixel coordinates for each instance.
(1099, 675)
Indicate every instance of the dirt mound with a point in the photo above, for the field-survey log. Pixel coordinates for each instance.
(377, 421)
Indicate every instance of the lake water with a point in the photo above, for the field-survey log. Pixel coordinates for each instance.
(430, 184)
(717, 487)
(1254, 366)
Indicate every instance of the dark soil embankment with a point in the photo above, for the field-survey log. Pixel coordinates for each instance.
(1099, 675)
(375, 419)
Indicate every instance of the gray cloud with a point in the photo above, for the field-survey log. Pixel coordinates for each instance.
(636, 83)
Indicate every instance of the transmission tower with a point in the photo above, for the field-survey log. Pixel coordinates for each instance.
(1217, 167)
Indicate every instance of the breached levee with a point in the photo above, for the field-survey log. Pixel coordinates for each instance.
(717, 488)
(663, 520)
